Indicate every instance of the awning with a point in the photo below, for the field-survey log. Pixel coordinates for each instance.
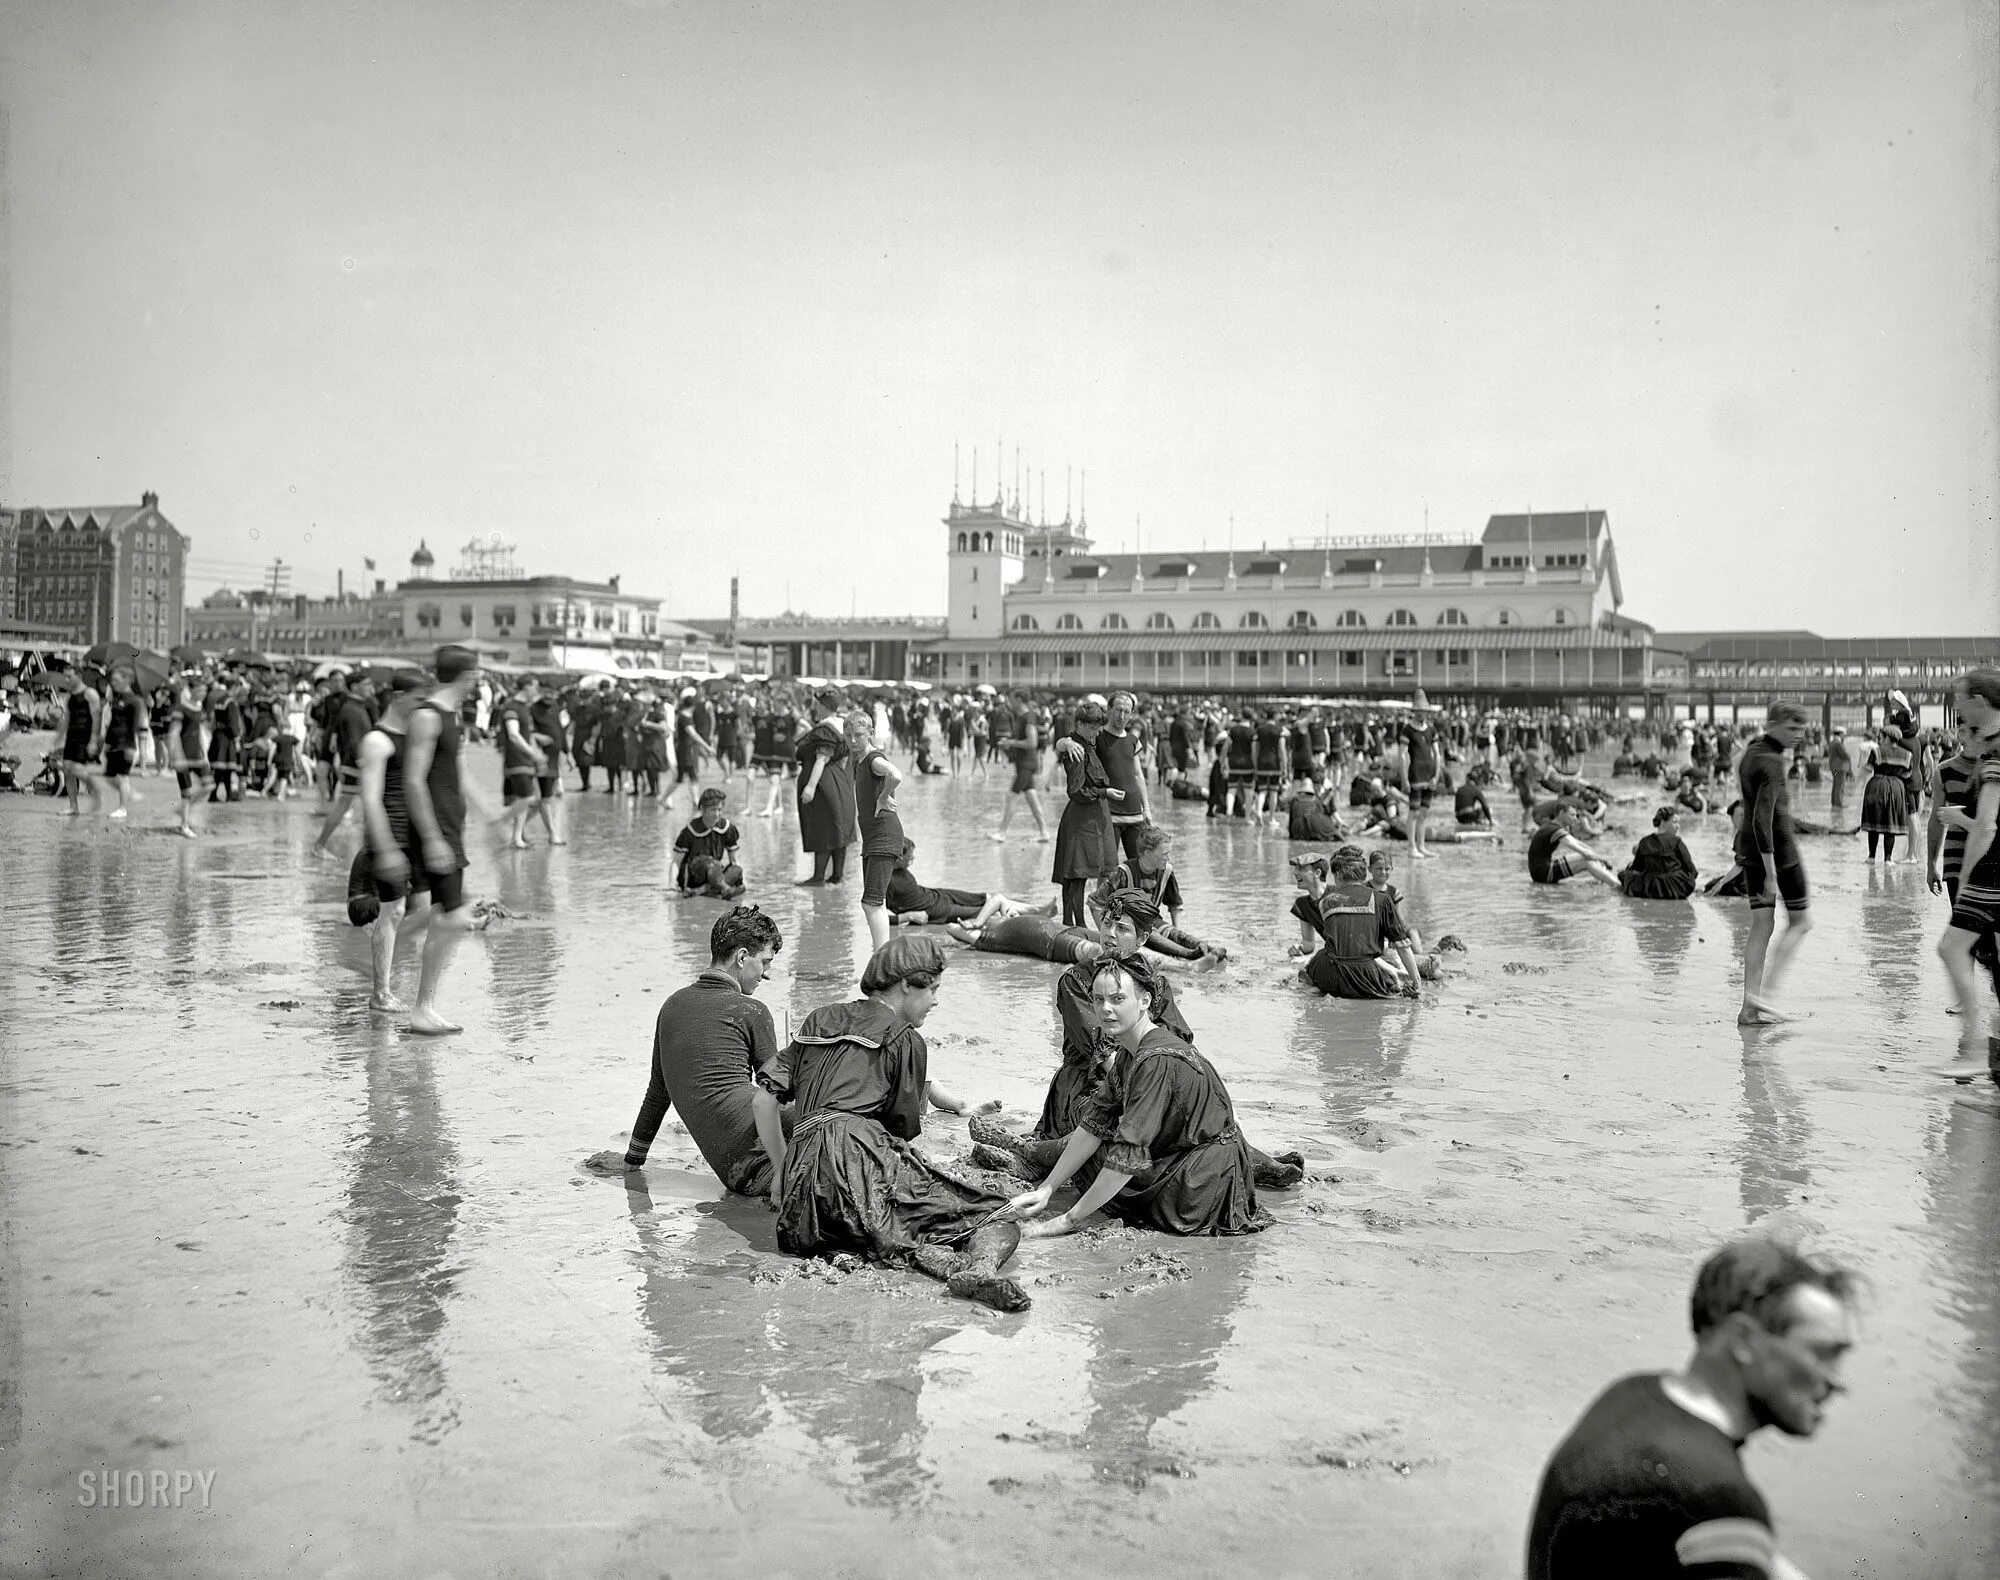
(1399, 639)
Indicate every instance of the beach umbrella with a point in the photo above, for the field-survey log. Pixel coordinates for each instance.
(106, 654)
(249, 657)
(983, 689)
(188, 655)
(150, 671)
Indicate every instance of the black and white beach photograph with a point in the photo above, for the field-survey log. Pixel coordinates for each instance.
(899, 790)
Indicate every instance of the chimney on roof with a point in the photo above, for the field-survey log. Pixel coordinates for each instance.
(149, 500)
(614, 584)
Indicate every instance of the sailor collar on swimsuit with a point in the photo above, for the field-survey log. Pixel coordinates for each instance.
(862, 1020)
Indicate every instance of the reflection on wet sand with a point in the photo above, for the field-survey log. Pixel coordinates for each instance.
(401, 1211)
(1773, 1146)
(1891, 949)
(524, 958)
(1964, 1207)
(843, 1364)
(1153, 1351)
(1664, 931)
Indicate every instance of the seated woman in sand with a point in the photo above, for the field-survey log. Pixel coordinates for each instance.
(1157, 1144)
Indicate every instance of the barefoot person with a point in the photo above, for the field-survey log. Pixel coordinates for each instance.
(1973, 877)
(1157, 1144)
(1767, 849)
(706, 850)
(1555, 854)
(826, 791)
(83, 742)
(435, 793)
(916, 904)
(125, 726)
(849, 1178)
(875, 781)
(522, 760)
(709, 1040)
(352, 721)
(385, 830)
(1017, 736)
(1086, 842)
(1650, 1481)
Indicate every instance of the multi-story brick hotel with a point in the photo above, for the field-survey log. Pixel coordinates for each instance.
(1528, 611)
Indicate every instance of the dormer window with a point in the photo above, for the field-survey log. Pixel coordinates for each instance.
(1085, 570)
(1266, 567)
(1174, 569)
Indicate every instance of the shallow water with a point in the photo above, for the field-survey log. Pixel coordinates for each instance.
(253, 1231)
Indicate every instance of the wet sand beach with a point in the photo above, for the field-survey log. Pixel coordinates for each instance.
(252, 1230)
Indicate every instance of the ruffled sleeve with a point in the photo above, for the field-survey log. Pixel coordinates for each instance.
(1142, 1110)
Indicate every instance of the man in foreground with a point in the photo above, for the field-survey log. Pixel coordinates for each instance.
(1650, 1482)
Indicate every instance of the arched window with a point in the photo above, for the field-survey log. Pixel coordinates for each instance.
(989, 543)
(1506, 617)
(1400, 617)
(1068, 622)
(961, 543)
(1159, 620)
(1025, 622)
(1453, 617)
(1301, 620)
(1253, 621)
(1559, 617)
(1205, 622)
(1112, 622)
(1351, 619)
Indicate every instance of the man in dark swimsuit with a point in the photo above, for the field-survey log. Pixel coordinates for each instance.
(522, 760)
(83, 743)
(435, 793)
(1650, 1483)
(1016, 734)
(352, 720)
(124, 721)
(546, 725)
(709, 1040)
(1768, 851)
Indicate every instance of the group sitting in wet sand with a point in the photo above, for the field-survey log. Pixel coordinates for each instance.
(825, 1127)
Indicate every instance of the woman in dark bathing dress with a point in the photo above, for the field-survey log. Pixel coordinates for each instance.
(1157, 1145)
(1662, 868)
(826, 791)
(1086, 841)
(1087, 1052)
(849, 1179)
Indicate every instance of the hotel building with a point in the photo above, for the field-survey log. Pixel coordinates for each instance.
(1527, 612)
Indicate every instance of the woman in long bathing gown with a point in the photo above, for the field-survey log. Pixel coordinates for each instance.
(849, 1179)
(1158, 1145)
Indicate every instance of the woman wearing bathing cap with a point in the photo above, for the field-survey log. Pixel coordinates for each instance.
(857, 1075)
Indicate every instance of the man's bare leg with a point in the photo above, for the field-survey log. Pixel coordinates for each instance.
(382, 958)
(440, 940)
(1041, 823)
(342, 800)
(1763, 922)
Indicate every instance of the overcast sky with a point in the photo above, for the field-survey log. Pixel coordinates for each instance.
(679, 291)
